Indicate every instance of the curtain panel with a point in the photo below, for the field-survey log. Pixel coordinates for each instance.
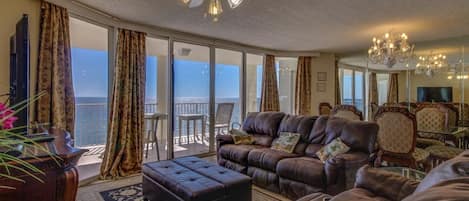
(269, 93)
(303, 86)
(373, 93)
(54, 71)
(338, 98)
(393, 88)
(123, 155)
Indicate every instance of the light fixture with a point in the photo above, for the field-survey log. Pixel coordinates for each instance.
(390, 49)
(234, 3)
(215, 8)
(431, 63)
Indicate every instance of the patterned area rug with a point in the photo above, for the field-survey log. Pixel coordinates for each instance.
(126, 193)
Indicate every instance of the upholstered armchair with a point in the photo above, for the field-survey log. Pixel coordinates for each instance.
(430, 117)
(349, 112)
(397, 137)
(324, 108)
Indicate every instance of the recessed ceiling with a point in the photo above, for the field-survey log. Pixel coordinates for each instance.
(300, 25)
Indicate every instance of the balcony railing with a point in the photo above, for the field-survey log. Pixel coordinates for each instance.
(92, 119)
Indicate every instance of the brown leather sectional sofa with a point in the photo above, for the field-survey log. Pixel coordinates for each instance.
(301, 172)
(448, 181)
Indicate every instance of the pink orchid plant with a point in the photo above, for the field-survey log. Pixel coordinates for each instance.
(6, 117)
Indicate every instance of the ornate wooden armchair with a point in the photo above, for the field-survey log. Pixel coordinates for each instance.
(347, 112)
(324, 108)
(397, 137)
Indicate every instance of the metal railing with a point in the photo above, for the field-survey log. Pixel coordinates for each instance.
(92, 119)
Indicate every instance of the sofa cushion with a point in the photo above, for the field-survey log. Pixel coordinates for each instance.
(263, 140)
(267, 158)
(237, 153)
(304, 169)
(318, 132)
(297, 124)
(358, 194)
(263, 123)
(332, 149)
(286, 142)
(360, 135)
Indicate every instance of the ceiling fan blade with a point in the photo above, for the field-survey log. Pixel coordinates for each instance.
(195, 3)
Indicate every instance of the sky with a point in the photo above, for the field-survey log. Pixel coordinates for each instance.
(90, 76)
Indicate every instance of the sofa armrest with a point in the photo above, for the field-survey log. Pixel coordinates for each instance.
(383, 183)
(341, 170)
(224, 139)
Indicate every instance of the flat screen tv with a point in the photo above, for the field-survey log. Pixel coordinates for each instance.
(19, 70)
(435, 94)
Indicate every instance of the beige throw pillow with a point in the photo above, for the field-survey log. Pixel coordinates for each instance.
(332, 149)
(286, 142)
(241, 137)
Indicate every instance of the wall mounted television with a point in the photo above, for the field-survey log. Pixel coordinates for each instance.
(435, 94)
(19, 70)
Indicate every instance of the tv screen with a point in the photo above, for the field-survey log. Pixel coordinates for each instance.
(435, 94)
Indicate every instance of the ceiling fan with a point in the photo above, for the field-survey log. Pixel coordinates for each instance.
(215, 7)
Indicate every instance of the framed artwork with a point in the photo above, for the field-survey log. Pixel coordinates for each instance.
(320, 87)
(322, 76)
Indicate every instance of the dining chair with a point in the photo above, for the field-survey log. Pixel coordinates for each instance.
(324, 108)
(347, 112)
(430, 117)
(397, 138)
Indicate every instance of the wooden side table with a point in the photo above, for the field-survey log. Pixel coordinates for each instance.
(60, 179)
(188, 118)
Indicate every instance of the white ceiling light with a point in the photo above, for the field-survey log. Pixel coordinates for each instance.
(215, 8)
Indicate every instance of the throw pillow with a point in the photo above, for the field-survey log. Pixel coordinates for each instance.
(286, 142)
(332, 149)
(241, 137)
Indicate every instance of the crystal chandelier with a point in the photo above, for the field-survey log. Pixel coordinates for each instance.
(431, 63)
(215, 8)
(390, 49)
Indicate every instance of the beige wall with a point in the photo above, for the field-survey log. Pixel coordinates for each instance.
(324, 63)
(11, 12)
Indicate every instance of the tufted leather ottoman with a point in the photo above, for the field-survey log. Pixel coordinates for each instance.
(193, 179)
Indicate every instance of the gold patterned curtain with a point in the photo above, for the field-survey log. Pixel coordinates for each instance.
(373, 93)
(123, 155)
(303, 86)
(269, 94)
(393, 88)
(54, 73)
(338, 98)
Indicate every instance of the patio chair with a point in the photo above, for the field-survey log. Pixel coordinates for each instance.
(223, 117)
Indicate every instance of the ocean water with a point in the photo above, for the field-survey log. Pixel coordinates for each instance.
(91, 115)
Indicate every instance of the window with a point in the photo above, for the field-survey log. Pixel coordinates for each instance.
(155, 94)
(253, 82)
(286, 75)
(383, 84)
(89, 44)
(353, 88)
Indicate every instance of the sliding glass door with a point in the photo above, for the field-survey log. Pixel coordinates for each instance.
(254, 66)
(227, 89)
(353, 87)
(191, 95)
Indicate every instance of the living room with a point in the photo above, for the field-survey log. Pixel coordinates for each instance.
(277, 101)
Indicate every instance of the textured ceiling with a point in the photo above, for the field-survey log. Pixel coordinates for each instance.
(319, 25)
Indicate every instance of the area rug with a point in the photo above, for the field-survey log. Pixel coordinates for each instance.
(126, 193)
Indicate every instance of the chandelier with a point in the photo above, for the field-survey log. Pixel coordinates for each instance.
(390, 49)
(431, 63)
(215, 8)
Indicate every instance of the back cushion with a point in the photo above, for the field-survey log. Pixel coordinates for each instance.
(263, 123)
(298, 124)
(318, 132)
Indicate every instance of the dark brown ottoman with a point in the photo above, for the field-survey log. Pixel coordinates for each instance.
(193, 179)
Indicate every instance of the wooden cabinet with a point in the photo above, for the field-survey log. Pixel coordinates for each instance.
(60, 181)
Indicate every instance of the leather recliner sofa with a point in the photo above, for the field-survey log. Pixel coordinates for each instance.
(447, 181)
(300, 173)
